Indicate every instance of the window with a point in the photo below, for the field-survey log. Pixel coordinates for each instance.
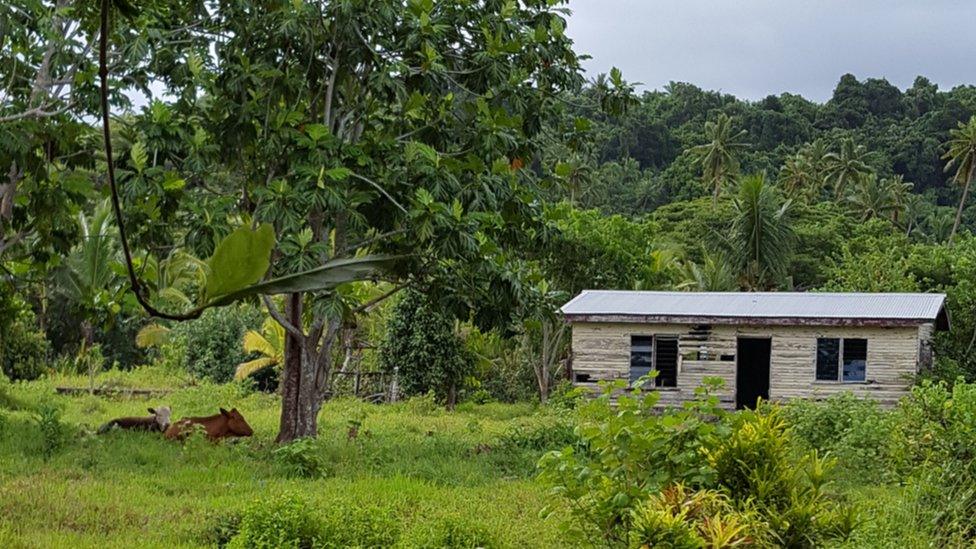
(855, 359)
(841, 359)
(641, 356)
(655, 352)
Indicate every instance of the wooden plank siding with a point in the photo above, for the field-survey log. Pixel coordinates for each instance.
(602, 352)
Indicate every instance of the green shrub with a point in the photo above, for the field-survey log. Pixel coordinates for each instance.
(23, 350)
(422, 345)
(632, 452)
(757, 467)
(630, 457)
(854, 430)
(211, 346)
(54, 433)
(357, 525)
(678, 517)
(451, 532)
(566, 396)
(279, 521)
(938, 427)
(302, 458)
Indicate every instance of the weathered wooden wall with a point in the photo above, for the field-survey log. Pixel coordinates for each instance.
(602, 351)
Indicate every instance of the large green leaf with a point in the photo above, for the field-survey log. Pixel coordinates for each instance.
(240, 259)
(326, 277)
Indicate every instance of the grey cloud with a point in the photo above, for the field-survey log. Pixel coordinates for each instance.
(754, 48)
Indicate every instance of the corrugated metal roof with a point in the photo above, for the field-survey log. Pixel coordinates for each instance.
(806, 305)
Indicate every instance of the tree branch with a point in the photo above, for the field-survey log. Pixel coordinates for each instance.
(280, 318)
(377, 300)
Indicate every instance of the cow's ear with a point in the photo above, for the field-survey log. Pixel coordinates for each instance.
(224, 412)
(152, 411)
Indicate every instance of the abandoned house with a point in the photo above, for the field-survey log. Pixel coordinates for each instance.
(772, 345)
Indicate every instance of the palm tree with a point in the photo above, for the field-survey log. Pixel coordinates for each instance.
(846, 166)
(796, 176)
(914, 208)
(874, 197)
(269, 342)
(901, 196)
(87, 278)
(761, 238)
(962, 156)
(711, 275)
(717, 158)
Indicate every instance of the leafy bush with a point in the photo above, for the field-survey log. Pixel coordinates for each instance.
(54, 433)
(421, 342)
(210, 346)
(302, 458)
(756, 466)
(23, 350)
(279, 521)
(631, 453)
(938, 427)
(630, 480)
(452, 532)
(678, 517)
(543, 435)
(856, 431)
(357, 525)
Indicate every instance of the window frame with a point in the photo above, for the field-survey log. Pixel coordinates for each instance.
(654, 351)
(840, 360)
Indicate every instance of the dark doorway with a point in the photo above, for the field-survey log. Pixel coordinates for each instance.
(752, 371)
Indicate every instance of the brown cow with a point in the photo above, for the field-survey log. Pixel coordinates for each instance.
(222, 425)
(158, 421)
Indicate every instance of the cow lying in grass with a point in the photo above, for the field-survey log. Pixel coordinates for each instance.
(222, 425)
(158, 422)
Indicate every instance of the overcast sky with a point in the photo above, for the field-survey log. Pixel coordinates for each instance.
(753, 48)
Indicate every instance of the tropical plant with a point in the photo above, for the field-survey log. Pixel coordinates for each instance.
(718, 157)
(423, 347)
(961, 155)
(269, 342)
(846, 166)
(88, 277)
(712, 274)
(879, 197)
(761, 239)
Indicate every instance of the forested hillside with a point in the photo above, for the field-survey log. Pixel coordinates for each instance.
(643, 159)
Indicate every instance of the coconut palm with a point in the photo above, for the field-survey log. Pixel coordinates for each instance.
(874, 197)
(847, 166)
(961, 155)
(176, 279)
(87, 278)
(711, 275)
(761, 238)
(717, 157)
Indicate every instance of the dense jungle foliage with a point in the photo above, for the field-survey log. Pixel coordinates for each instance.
(330, 199)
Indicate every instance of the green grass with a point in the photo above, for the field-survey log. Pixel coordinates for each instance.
(419, 464)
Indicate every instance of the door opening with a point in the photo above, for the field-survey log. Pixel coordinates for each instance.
(752, 371)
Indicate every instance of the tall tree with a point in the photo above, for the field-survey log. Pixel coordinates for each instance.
(718, 157)
(761, 238)
(353, 127)
(846, 166)
(961, 155)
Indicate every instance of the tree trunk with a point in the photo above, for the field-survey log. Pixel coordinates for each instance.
(962, 204)
(292, 373)
(305, 378)
(451, 396)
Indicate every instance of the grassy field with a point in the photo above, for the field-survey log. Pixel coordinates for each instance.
(415, 473)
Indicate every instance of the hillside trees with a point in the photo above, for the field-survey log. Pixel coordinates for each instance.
(962, 156)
